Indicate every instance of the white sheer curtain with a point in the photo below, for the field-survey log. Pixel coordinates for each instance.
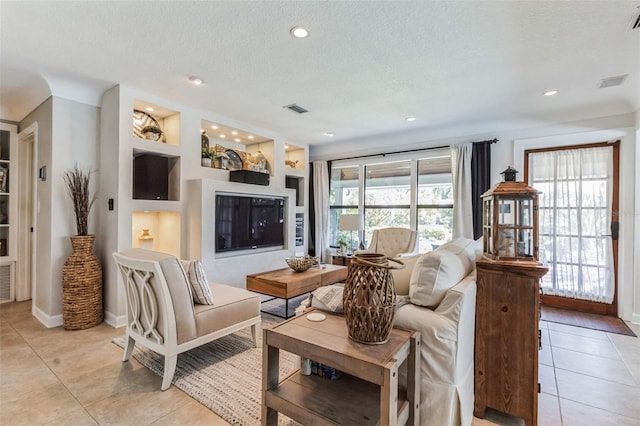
(575, 221)
(321, 203)
(462, 208)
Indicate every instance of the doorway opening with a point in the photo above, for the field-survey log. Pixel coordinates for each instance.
(578, 224)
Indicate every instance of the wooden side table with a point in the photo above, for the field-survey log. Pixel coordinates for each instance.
(366, 395)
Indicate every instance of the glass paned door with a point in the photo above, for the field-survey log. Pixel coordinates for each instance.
(576, 207)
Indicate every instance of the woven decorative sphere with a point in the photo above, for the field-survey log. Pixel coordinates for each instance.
(300, 263)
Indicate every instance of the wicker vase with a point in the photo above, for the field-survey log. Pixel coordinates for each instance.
(81, 286)
(369, 298)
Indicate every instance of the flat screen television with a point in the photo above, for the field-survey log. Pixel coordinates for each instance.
(245, 222)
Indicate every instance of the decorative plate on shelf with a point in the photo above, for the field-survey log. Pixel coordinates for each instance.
(234, 162)
(141, 120)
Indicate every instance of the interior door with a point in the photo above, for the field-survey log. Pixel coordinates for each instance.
(578, 224)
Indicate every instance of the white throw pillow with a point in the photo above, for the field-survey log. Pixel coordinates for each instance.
(435, 273)
(198, 281)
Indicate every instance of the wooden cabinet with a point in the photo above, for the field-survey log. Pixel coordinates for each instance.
(507, 338)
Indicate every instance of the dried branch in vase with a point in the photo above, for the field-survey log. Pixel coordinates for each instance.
(77, 181)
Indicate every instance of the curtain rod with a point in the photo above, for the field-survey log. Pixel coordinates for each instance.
(490, 141)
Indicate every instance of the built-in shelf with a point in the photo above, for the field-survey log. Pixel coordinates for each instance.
(163, 228)
(294, 160)
(148, 114)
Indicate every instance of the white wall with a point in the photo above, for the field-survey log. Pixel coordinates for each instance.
(67, 133)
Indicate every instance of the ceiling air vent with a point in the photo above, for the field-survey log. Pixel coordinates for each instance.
(634, 22)
(296, 108)
(612, 81)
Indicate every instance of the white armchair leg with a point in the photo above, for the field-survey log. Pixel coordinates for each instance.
(128, 348)
(255, 329)
(169, 369)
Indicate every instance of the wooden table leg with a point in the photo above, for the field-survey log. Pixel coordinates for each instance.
(270, 379)
(389, 395)
(414, 379)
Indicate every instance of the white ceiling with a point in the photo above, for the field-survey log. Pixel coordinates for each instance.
(366, 66)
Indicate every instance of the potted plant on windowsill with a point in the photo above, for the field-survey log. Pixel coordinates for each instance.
(81, 273)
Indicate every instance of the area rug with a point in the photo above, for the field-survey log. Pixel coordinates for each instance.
(605, 323)
(224, 375)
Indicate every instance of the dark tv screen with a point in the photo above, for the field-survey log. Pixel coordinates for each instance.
(246, 222)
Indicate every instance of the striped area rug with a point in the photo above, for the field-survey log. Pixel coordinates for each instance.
(224, 375)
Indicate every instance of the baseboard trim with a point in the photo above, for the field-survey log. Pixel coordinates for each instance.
(48, 321)
(114, 320)
(635, 318)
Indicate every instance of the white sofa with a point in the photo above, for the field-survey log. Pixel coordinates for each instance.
(437, 296)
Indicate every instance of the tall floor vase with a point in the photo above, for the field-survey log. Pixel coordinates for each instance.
(81, 286)
(369, 298)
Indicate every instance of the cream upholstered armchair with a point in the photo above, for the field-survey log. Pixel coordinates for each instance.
(392, 241)
(161, 313)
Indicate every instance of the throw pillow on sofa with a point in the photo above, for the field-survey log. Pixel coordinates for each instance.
(438, 271)
(200, 289)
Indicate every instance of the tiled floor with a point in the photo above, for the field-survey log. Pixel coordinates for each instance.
(53, 376)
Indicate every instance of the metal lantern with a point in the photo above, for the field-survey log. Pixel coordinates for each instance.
(510, 221)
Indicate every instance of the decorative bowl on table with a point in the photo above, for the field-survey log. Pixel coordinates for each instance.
(300, 263)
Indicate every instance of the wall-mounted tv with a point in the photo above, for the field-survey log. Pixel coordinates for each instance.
(245, 222)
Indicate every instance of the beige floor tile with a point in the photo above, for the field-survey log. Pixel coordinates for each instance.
(192, 414)
(48, 404)
(605, 368)
(545, 355)
(578, 331)
(577, 414)
(78, 417)
(579, 343)
(599, 393)
(547, 380)
(108, 380)
(82, 358)
(548, 410)
(141, 403)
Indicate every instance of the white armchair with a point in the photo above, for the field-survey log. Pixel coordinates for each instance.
(161, 314)
(392, 241)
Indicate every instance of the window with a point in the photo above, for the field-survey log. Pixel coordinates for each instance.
(435, 202)
(343, 199)
(405, 192)
(387, 189)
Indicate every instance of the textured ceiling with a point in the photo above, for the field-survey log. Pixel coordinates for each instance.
(474, 66)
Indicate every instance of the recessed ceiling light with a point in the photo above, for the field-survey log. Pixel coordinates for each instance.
(250, 136)
(299, 32)
(411, 119)
(234, 133)
(196, 80)
(550, 92)
(330, 134)
(149, 109)
(286, 147)
(213, 126)
(222, 136)
(237, 140)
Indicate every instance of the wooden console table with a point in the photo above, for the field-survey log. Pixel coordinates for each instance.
(366, 395)
(287, 283)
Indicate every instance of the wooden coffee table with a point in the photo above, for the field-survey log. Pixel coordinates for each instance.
(366, 395)
(287, 283)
